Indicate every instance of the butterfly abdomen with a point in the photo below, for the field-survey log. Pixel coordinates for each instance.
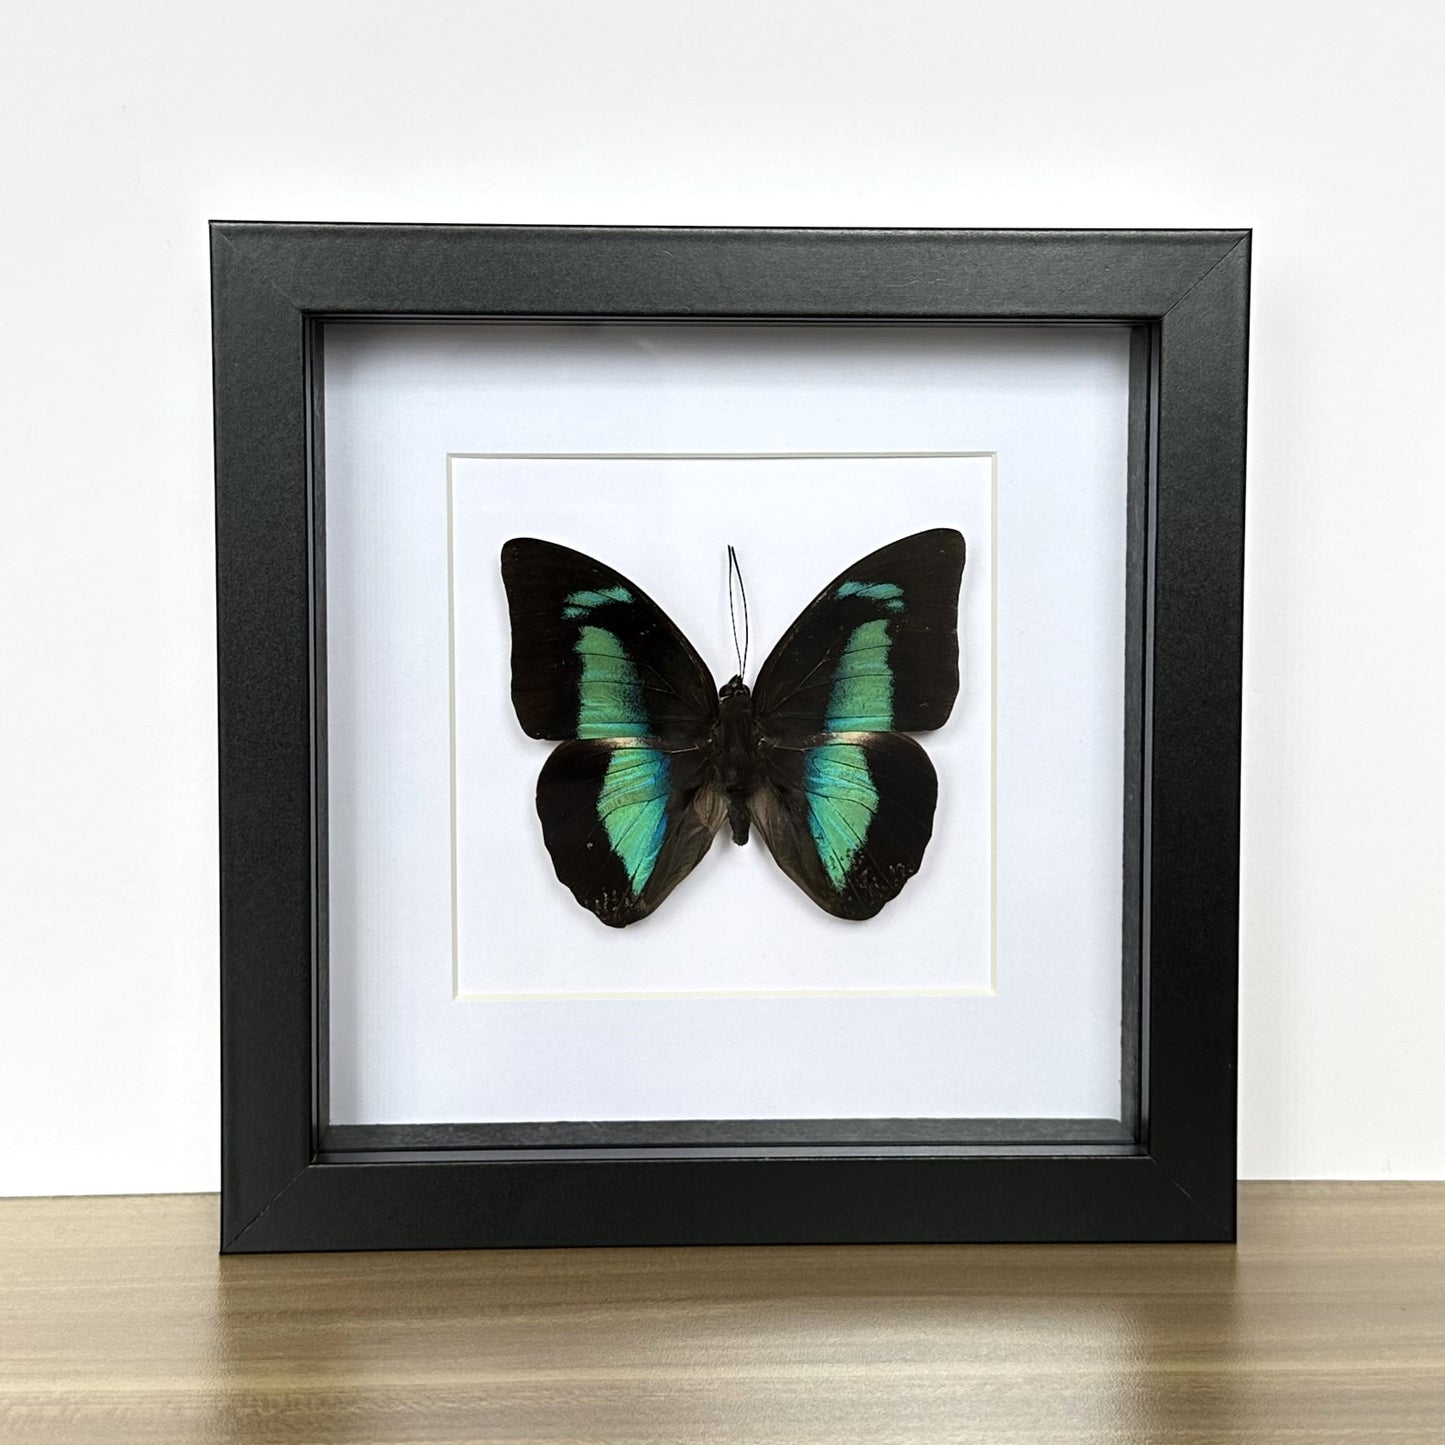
(737, 754)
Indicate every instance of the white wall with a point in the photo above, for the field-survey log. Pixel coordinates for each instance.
(126, 126)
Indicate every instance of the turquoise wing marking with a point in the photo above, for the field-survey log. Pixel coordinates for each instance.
(842, 802)
(862, 696)
(610, 702)
(633, 809)
(579, 604)
(890, 594)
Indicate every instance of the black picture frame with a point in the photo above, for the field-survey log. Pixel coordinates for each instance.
(1164, 1170)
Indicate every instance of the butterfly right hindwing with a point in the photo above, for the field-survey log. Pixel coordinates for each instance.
(847, 816)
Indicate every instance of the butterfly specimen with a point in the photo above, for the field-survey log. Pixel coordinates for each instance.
(654, 757)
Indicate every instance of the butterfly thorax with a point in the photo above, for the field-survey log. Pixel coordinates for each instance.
(736, 755)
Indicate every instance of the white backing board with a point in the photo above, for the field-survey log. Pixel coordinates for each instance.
(1049, 404)
(738, 925)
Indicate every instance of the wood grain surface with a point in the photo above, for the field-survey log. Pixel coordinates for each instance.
(1327, 1323)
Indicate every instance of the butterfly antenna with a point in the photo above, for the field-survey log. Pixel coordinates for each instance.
(734, 571)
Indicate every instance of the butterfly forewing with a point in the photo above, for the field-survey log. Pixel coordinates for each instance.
(593, 656)
(876, 650)
(847, 816)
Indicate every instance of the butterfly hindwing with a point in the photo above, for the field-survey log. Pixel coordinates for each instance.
(593, 656)
(876, 650)
(626, 820)
(847, 816)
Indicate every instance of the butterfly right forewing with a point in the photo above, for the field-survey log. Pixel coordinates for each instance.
(876, 650)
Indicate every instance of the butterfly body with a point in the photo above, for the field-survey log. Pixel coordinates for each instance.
(654, 758)
(737, 746)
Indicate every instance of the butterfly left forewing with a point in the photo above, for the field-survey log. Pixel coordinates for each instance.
(625, 820)
(593, 656)
(847, 816)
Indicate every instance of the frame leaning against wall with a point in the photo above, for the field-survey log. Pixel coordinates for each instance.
(1164, 1170)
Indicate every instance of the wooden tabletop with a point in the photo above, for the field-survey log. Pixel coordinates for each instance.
(1327, 1323)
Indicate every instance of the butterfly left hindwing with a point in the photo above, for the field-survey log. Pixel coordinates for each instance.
(627, 803)
(626, 820)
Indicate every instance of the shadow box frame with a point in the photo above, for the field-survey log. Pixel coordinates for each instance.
(1163, 1171)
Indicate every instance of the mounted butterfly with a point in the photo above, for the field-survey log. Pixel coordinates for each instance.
(655, 758)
